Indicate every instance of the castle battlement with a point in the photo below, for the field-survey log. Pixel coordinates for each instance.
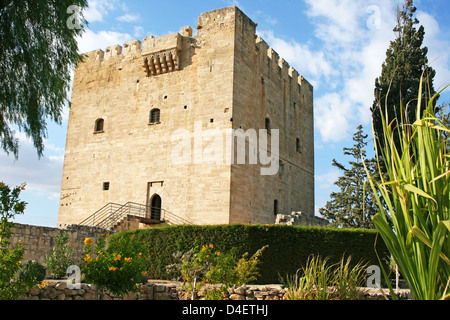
(162, 54)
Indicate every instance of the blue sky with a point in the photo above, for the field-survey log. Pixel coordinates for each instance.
(338, 46)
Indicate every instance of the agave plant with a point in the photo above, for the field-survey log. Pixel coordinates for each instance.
(414, 221)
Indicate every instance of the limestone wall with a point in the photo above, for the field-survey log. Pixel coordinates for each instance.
(40, 240)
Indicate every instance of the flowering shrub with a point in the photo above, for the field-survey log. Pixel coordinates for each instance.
(214, 271)
(11, 285)
(115, 271)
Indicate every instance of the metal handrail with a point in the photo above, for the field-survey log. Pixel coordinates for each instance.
(100, 214)
(111, 214)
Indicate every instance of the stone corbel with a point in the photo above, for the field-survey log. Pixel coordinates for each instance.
(161, 62)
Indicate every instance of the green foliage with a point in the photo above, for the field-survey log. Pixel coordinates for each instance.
(30, 270)
(320, 280)
(11, 286)
(119, 271)
(416, 224)
(406, 61)
(288, 246)
(353, 206)
(59, 258)
(38, 52)
(213, 270)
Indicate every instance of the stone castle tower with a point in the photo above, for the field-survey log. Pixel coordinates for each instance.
(163, 123)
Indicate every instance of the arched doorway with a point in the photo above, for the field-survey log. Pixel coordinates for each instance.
(156, 207)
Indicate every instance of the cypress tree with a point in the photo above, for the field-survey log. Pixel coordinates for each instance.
(396, 90)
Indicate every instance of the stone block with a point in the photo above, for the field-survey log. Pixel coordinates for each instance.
(235, 296)
(162, 296)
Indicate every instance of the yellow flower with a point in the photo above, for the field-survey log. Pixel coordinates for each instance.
(87, 258)
(144, 273)
(112, 269)
(203, 248)
(19, 263)
(217, 253)
(211, 246)
(88, 241)
(140, 254)
(128, 259)
(43, 284)
(117, 258)
(2, 185)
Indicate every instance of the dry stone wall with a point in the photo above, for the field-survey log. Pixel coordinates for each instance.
(39, 241)
(58, 290)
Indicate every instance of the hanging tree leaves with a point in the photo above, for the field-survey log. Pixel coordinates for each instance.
(38, 50)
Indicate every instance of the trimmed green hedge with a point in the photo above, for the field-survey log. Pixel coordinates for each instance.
(289, 246)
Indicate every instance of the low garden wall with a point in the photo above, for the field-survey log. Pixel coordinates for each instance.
(58, 290)
(39, 241)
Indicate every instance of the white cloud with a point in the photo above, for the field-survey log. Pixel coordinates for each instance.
(129, 17)
(138, 31)
(42, 176)
(267, 18)
(304, 59)
(91, 40)
(341, 19)
(343, 61)
(326, 181)
(333, 117)
(98, 9)
(438, 53)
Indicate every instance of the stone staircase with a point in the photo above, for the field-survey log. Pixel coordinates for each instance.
(116, 217)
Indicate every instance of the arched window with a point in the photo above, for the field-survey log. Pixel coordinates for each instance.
(155, 116)
(275, 207)
(156, 207)
(99, 124)
(267, 125)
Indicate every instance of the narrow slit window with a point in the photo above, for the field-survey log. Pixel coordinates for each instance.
(267, 125)
(105, 186)
(155, 116)
(297, 145)
(275, 207)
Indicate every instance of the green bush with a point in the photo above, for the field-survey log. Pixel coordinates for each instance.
(214, 271)
(289, 246)
(59, 258)
(30, 270)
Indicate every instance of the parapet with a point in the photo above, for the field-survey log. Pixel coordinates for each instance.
(162, 54)
(279, 63)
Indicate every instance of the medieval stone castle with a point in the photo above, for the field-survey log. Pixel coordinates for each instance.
(214, 128)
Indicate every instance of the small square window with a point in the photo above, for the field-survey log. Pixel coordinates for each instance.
(105, 186)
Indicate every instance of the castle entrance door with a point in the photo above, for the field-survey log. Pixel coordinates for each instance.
(156, 208)
(154, 201)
